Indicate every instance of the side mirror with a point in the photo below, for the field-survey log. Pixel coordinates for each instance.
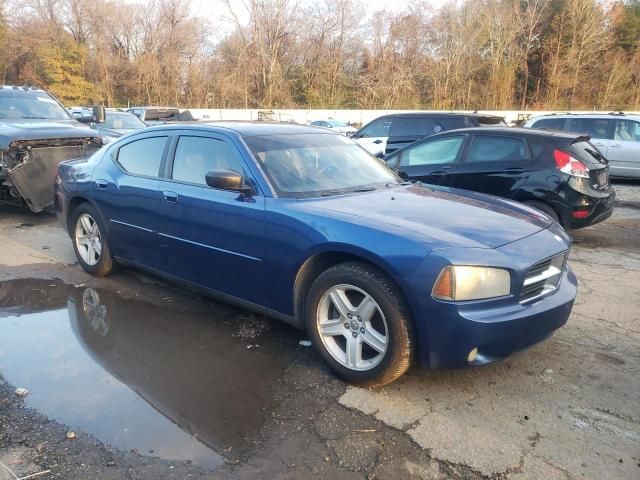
(98, 113)
(227, 180)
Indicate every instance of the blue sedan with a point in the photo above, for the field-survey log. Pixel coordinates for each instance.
(305, 226)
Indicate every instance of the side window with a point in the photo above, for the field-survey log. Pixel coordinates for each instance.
(488, 148)
(195, 156)
(378, 128)
(537, 147)
(410, 127)
(627, 130)
(435, 152)
(450, 123)
(550, 123)
(142, 157)
(599, 128)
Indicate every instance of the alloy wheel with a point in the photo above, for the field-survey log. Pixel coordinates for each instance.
(88, 239)
(352, 327)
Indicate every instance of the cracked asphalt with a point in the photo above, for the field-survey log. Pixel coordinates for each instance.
(191, 388)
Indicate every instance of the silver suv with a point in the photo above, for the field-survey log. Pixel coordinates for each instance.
(616, 135)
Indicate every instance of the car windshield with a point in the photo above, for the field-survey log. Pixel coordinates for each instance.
(122, 121)
(316, 164)
(337, 123)
(28, 104)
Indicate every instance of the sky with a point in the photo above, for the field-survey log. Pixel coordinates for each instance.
(216, 10)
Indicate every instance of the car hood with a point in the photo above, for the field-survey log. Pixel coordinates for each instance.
(24, 129)
(450, 217)
(114, 132)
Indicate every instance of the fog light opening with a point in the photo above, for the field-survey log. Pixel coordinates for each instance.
(473, 354)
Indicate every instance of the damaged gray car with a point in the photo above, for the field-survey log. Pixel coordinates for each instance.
(36, 134)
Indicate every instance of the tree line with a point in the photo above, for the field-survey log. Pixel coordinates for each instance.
(474, 54)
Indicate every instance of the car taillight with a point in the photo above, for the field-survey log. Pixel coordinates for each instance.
(567, 164)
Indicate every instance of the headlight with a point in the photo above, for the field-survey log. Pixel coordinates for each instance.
(457, 283)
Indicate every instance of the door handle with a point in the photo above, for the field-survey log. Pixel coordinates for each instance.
(377, 142)
(171, 197)
(102, 184)
(513, 171)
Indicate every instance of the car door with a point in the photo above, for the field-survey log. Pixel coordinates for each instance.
(600, 129)
(373, 136)
(125, 189)
(624, 149)
(494, 164)
(406, 130)
(432, 161)
(211, 237)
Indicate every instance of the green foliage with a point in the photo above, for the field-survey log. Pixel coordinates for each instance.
(61, 68)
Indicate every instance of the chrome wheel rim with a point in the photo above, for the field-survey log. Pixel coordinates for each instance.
(95, 312)
(352, 327)
(88, 239)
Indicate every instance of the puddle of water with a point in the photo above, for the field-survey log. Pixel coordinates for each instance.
(174, 385)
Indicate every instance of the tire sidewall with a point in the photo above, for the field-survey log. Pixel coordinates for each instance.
(104, 264)
(388, 302)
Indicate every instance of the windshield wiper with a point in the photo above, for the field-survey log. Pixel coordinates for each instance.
(397, 184)
(328, 193)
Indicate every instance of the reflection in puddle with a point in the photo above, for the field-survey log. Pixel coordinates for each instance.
(177, 386)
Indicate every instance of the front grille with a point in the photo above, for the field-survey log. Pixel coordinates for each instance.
(543, 277)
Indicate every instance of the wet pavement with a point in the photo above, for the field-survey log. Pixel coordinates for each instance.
(173, 385)
(159, 383)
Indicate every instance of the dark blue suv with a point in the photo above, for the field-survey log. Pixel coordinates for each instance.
(303, 225)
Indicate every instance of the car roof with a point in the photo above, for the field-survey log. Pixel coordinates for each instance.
(514, 132)
(611, 115)
(22, 88)
(438, 115)
(507, 131)
(248, 128)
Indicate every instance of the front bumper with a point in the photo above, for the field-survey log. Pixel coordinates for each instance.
(446, 332)
(498, 331)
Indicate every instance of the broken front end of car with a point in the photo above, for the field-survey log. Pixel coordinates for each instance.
(28, 168)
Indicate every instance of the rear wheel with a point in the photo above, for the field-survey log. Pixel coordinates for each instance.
(545, 208)
(90, 242)
(357, 322)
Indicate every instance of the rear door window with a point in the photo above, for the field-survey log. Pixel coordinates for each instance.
(377, 128)
(549, 123)
(627, 131)
(410, 127)
(143, 157)
(435, 152)
(450, 123)
(601, 128)
(490, 148)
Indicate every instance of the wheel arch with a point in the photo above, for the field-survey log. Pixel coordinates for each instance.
(317, 263)
(74, 203)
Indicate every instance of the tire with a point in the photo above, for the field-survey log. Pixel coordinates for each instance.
(100, 263)
(378, 319)
(545, 208)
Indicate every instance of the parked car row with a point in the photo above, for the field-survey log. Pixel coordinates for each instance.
(302, 224)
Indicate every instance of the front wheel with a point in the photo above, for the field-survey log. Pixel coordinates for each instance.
(359, 325)
(90, 241)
